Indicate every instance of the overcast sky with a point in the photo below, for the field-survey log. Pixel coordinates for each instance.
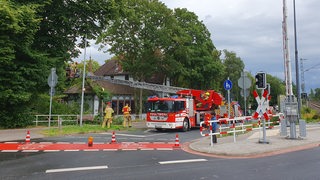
(253, 30)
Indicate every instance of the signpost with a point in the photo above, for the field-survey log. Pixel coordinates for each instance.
(244, 82)
(261, 109)
(52, 82)
(227, 86)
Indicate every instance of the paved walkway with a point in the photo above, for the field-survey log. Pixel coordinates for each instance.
(248, 145)
(20, 134)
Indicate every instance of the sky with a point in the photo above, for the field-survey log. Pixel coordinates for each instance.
(253, 30)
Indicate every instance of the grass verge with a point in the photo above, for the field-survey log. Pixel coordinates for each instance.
(86, 128)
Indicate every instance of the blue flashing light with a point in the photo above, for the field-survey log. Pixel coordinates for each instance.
(174, 96)
(154, 96)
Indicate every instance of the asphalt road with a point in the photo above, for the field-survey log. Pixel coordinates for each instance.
(153, 164)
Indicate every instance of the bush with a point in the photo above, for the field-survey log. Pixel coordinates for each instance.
(117, 120)
(17, 120)
(316, 116)
(306, 110)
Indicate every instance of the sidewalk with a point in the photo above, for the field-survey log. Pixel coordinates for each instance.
(20, 134)
(248, 145)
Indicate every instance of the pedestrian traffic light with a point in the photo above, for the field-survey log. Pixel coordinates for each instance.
(261, 80)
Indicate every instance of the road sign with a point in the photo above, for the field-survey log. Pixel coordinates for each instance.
(53, 78)
(262, 104)
(244, 82)
(227, 84)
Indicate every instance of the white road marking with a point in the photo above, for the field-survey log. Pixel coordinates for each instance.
(91, 150)
(164, 149)
(51, 151)
(182, 161)
(76, 169)
(110, 149)
(129, 135)
(9, 150)
(30, 151)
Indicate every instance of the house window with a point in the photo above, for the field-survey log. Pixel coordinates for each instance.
(126, 77)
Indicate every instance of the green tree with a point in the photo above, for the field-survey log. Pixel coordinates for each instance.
(311, 95)
(34, 37)
(20, 64)
(139, 35)
(199, 66)
(317, 94)
(277, 87)
(234, 66)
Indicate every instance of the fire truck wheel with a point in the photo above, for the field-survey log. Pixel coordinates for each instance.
(185, 126)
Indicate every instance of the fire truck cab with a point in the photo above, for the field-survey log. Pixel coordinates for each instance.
(182, 111)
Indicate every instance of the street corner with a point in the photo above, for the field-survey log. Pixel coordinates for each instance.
(244, 149)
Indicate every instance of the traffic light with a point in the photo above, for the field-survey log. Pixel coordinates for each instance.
(261, 80)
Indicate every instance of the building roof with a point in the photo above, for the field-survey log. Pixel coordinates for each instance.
(110, 68)
(113, 68)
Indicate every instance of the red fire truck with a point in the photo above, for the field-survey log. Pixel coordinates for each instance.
(182, 111)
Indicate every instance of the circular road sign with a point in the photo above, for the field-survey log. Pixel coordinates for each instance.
(53, 78)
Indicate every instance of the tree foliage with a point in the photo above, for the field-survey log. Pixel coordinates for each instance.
(139, 36)
(193, 50)
(34, 37)
(19, 62)
(277, 87)
(234, 66)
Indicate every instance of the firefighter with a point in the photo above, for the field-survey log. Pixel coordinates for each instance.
(126, 115)
(108, 116)
(205, 96)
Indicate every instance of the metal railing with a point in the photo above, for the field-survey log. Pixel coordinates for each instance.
(236, 125)
(57, 119)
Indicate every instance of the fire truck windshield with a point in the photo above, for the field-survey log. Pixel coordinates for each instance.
(165, 106)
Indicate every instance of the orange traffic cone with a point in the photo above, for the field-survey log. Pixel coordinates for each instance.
(90, 141)
(28, 137)
(113, 140)
(176, 144)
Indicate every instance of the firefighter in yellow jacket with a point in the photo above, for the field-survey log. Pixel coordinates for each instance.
(126, 115)
(108, 116)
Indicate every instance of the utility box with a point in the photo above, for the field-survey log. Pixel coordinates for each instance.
(291, 111)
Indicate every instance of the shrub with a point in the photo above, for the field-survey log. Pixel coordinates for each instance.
(316, 116)
(117, 120)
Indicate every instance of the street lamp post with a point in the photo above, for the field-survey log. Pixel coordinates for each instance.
(296, 59)
(83, 81)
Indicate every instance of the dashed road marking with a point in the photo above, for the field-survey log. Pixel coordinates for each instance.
(76, 169)
(9, 150)
(182, 161)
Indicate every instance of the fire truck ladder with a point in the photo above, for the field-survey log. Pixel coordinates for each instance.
(140, 85)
